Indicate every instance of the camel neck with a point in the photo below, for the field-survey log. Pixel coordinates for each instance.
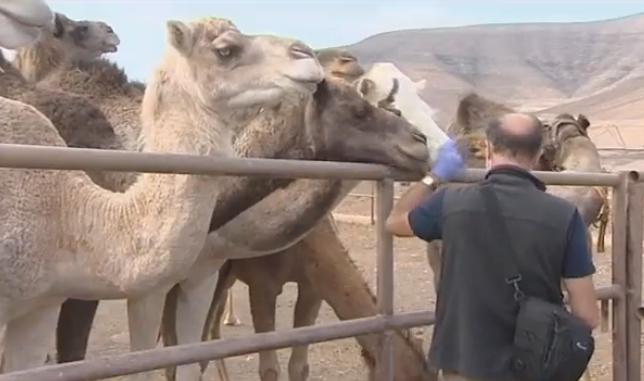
(144, 237)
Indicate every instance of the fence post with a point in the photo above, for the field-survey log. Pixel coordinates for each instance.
(372, 202)
(634, 266)
(620, 276)
(385, 247)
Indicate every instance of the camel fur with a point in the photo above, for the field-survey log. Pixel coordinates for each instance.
(126, 245)
(68, 42)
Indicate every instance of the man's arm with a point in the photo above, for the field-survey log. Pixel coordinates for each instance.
(419, 212)
(577, 273)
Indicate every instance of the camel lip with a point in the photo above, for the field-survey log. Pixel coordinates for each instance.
(111, 49)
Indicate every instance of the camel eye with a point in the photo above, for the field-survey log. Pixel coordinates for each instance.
(223, 53)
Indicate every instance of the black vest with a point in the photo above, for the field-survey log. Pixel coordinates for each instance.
(475, 309)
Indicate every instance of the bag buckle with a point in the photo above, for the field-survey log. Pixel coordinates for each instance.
(514, 281)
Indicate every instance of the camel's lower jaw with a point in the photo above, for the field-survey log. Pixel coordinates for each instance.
(111, 49)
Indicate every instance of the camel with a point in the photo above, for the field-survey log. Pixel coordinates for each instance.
(108, 87)
(336, 115)
(95, 256)
(337, 63)
(266, 276)
(69, 41)
(415, 110)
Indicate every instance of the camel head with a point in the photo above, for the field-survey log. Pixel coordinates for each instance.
(22, 21)
(383, 79)
(85, 40)
(339, 63)
(567, 142)
(367, 89)
(224, 67)
(352, 129)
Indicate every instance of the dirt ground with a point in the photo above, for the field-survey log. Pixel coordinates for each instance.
(338, 360)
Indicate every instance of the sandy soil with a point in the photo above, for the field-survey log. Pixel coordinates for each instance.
(337, 360)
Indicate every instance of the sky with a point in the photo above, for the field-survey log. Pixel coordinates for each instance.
(320, 23)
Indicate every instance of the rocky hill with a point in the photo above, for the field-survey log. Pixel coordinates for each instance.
(591, 67)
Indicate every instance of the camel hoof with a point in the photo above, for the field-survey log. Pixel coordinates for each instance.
(270, 375)
(233, 321)
(302, 375)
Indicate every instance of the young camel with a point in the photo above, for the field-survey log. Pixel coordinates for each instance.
(339, 126)
(69, 42)
(167, 215)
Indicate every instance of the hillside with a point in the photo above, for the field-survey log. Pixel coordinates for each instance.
(598, 66)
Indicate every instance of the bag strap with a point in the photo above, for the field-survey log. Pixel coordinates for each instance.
(501, 236)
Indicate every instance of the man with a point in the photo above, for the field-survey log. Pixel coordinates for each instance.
(476, 311)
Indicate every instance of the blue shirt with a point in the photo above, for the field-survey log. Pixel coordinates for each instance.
(426, 221)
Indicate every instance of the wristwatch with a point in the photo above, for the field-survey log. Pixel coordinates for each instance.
(431, 181)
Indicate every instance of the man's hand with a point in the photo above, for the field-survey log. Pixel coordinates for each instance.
(447, 165)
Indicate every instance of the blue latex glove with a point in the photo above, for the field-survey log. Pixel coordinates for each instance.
(448, 162)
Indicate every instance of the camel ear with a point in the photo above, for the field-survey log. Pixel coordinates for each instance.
(366, 86)
(420, 85)
(583, 122)
(59, 26)
(180, 37)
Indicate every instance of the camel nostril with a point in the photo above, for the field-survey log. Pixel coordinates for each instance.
(420, 137)
(397, 112)
(299, 50)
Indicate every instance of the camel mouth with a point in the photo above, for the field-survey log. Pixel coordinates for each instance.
(111, 49)
(414, 159)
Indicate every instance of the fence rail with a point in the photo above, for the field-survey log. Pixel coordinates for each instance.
(625, 290)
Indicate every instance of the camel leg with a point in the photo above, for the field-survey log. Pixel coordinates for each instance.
(230, 318)
(28, 337)
(144, 316)
(340, 283)
(73, 330)
(307, 308)
(215, 334)
(193, 303)
(262, 308)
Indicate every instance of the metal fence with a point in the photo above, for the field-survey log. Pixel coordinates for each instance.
(625, 290)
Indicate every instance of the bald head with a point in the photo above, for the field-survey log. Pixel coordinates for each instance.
(516, 135)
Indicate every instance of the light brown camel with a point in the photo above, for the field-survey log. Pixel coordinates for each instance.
(166, 215)
(68, 42)
(265, 277)
(340, 126)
